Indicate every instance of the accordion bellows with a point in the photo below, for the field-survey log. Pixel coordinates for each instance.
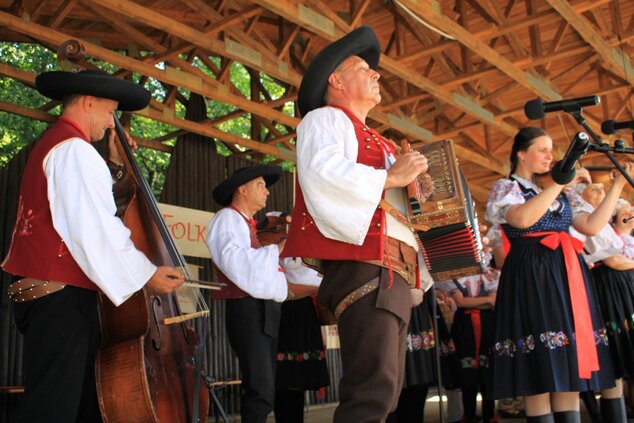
(452, 247)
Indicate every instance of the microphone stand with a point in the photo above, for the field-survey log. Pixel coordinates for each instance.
(600, 146)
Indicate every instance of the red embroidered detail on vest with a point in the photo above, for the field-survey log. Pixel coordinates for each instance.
(24, 222)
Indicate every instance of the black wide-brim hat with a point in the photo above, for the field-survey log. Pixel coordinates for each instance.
(223, 193)
(361, 42)
(59, 84)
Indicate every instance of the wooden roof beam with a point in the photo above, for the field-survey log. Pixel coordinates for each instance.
(230, 49)
(613, 58)
(545, 17)
(61, 13)
(430, 11)
(358, 13)
(206, 87)
(207, 131)
(292, 13)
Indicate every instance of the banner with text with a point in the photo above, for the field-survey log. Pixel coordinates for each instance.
(188, 228)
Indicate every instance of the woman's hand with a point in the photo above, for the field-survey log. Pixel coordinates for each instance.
(582, 176)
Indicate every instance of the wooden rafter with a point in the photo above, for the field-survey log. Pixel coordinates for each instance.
(471, 88)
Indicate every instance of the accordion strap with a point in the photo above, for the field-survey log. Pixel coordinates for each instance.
(394, 212)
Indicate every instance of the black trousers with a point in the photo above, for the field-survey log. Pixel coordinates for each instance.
(61, 334)
(252, 327)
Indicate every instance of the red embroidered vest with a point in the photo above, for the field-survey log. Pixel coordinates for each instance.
(231, 291)
(304, 238)
(37, 250)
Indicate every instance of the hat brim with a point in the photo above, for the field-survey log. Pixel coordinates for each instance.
(361, 42)
(59, 84)
(223, 193)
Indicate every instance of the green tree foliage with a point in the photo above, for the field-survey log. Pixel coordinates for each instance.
(17, 131)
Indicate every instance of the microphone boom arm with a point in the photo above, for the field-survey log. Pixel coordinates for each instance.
(598, 145)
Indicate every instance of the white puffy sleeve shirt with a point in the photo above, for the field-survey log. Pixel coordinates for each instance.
(256, 271)
(341, 195)
(603, 245)
(298, 273)
(83, 212)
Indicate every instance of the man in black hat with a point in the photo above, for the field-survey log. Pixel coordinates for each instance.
(68, 245)
(256, 285)
(368, 258)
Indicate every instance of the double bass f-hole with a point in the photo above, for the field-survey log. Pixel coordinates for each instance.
(156, 302)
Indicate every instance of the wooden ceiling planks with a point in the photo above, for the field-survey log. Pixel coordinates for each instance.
(469, 84)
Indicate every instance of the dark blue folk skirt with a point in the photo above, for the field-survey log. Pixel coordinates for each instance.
(301, 355)
(534, 349)
(615, 292)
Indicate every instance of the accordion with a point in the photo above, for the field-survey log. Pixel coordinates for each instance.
(452, 247)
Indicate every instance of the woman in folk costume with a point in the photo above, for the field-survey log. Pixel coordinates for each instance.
(301, 353)
(472, 333)
(549, 340)
(612, 251)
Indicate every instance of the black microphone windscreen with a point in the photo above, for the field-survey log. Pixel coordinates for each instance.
(560, 176)
(534, 109)
(607, 127)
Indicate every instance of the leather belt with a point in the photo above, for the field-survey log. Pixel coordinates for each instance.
(28, 289)
(401, 258)
(355, 295)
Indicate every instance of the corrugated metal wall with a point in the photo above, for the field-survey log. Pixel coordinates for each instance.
(195, 169)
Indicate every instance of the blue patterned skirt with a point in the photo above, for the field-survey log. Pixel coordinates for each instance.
(534, 348)
(615, 292)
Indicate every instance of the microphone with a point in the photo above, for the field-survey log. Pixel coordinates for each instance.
(537, 109)
(627, 219)
(609, 127)
(564, 170)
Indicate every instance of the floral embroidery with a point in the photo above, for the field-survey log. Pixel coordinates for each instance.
(552, 340)
(301, 356)
(601, 337)
(506, 347)
(526, 345)
(469, 362)
(423, 341)
(615, 328)
(24, 223)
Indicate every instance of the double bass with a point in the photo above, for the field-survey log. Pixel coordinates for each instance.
(148, 366)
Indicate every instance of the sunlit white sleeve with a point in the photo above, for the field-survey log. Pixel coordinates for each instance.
(298, 273)
(83, 211)
(504, 194)
(426, 281)
(256, 271)
(341, 195)
(603, 245)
